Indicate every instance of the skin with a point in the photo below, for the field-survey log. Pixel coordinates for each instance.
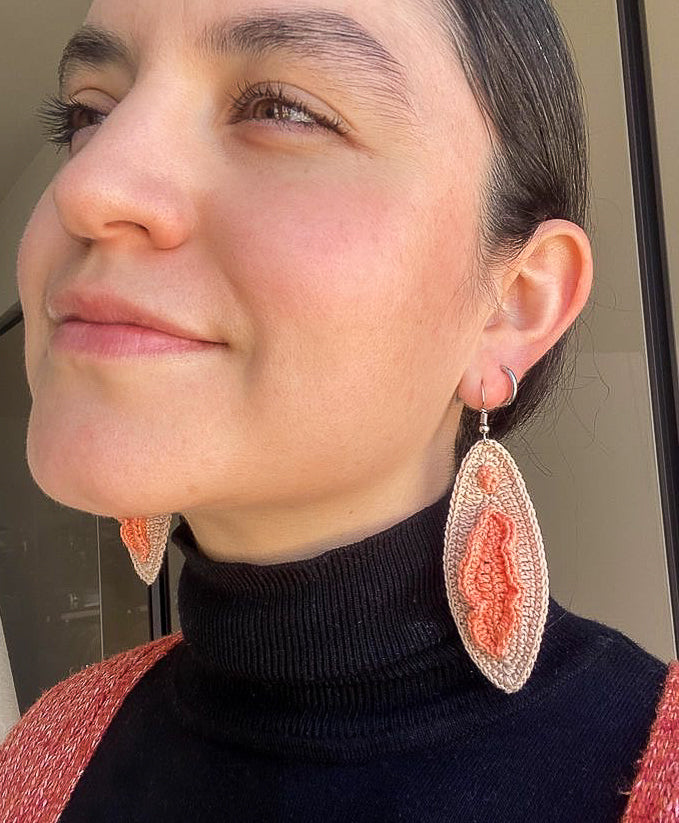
(339, 269)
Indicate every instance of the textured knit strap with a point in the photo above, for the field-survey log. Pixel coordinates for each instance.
(654, 797)
(46, 752)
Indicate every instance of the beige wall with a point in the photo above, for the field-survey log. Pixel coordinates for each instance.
(592, 472)
(663, 37)
(9, 709)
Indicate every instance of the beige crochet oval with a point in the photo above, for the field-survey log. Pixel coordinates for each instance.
(468, 500)
(146, 542)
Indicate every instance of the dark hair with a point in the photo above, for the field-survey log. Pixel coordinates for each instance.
(518, 64)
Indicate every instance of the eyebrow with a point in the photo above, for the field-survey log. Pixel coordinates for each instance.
(316, 34)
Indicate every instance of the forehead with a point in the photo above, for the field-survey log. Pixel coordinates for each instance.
(408, 34)
(142, 17)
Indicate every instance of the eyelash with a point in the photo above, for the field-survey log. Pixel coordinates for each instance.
(57, 115)
(273, 90)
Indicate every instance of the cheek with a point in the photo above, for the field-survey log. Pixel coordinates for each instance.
(43, 249)
(354, 268)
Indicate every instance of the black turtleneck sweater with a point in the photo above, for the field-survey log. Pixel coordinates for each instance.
(336, 689)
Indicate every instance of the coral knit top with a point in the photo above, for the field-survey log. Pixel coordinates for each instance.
(336, 689)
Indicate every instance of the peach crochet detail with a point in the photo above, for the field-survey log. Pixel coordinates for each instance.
(488, 478)
(134, 531)
(490, 580)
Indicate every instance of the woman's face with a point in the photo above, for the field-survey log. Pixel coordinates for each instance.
(327, 253)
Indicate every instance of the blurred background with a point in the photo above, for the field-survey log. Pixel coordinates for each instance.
(602, 467)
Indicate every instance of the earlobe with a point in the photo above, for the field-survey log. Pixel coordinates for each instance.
(544, 289)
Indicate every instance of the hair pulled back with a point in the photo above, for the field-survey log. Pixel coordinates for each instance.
(518, 64)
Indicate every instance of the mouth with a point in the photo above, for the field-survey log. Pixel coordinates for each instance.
(115, 310)
(120, 340)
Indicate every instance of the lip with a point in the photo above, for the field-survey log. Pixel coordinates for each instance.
(111, 309)
(117, 340)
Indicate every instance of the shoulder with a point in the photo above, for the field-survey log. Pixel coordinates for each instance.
(622, 702)
(609, 683)
(47, 750)
(622, 663)
(642, 691)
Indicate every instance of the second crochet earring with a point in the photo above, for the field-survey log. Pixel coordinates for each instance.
(146, 541)
(494, 562)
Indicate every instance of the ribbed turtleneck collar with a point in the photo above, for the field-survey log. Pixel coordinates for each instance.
(340, 656)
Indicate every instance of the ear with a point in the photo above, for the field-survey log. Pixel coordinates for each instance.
(542, 291)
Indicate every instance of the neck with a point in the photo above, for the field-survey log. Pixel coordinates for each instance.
(311, 656)
(288, 530)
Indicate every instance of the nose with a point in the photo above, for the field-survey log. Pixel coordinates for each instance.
(128, 176)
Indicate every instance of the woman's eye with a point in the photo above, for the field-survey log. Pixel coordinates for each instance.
(270, 102)
(278, 110)
(61, 119)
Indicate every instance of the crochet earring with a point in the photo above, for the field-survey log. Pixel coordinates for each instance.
(146, 541)
(494, 561)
